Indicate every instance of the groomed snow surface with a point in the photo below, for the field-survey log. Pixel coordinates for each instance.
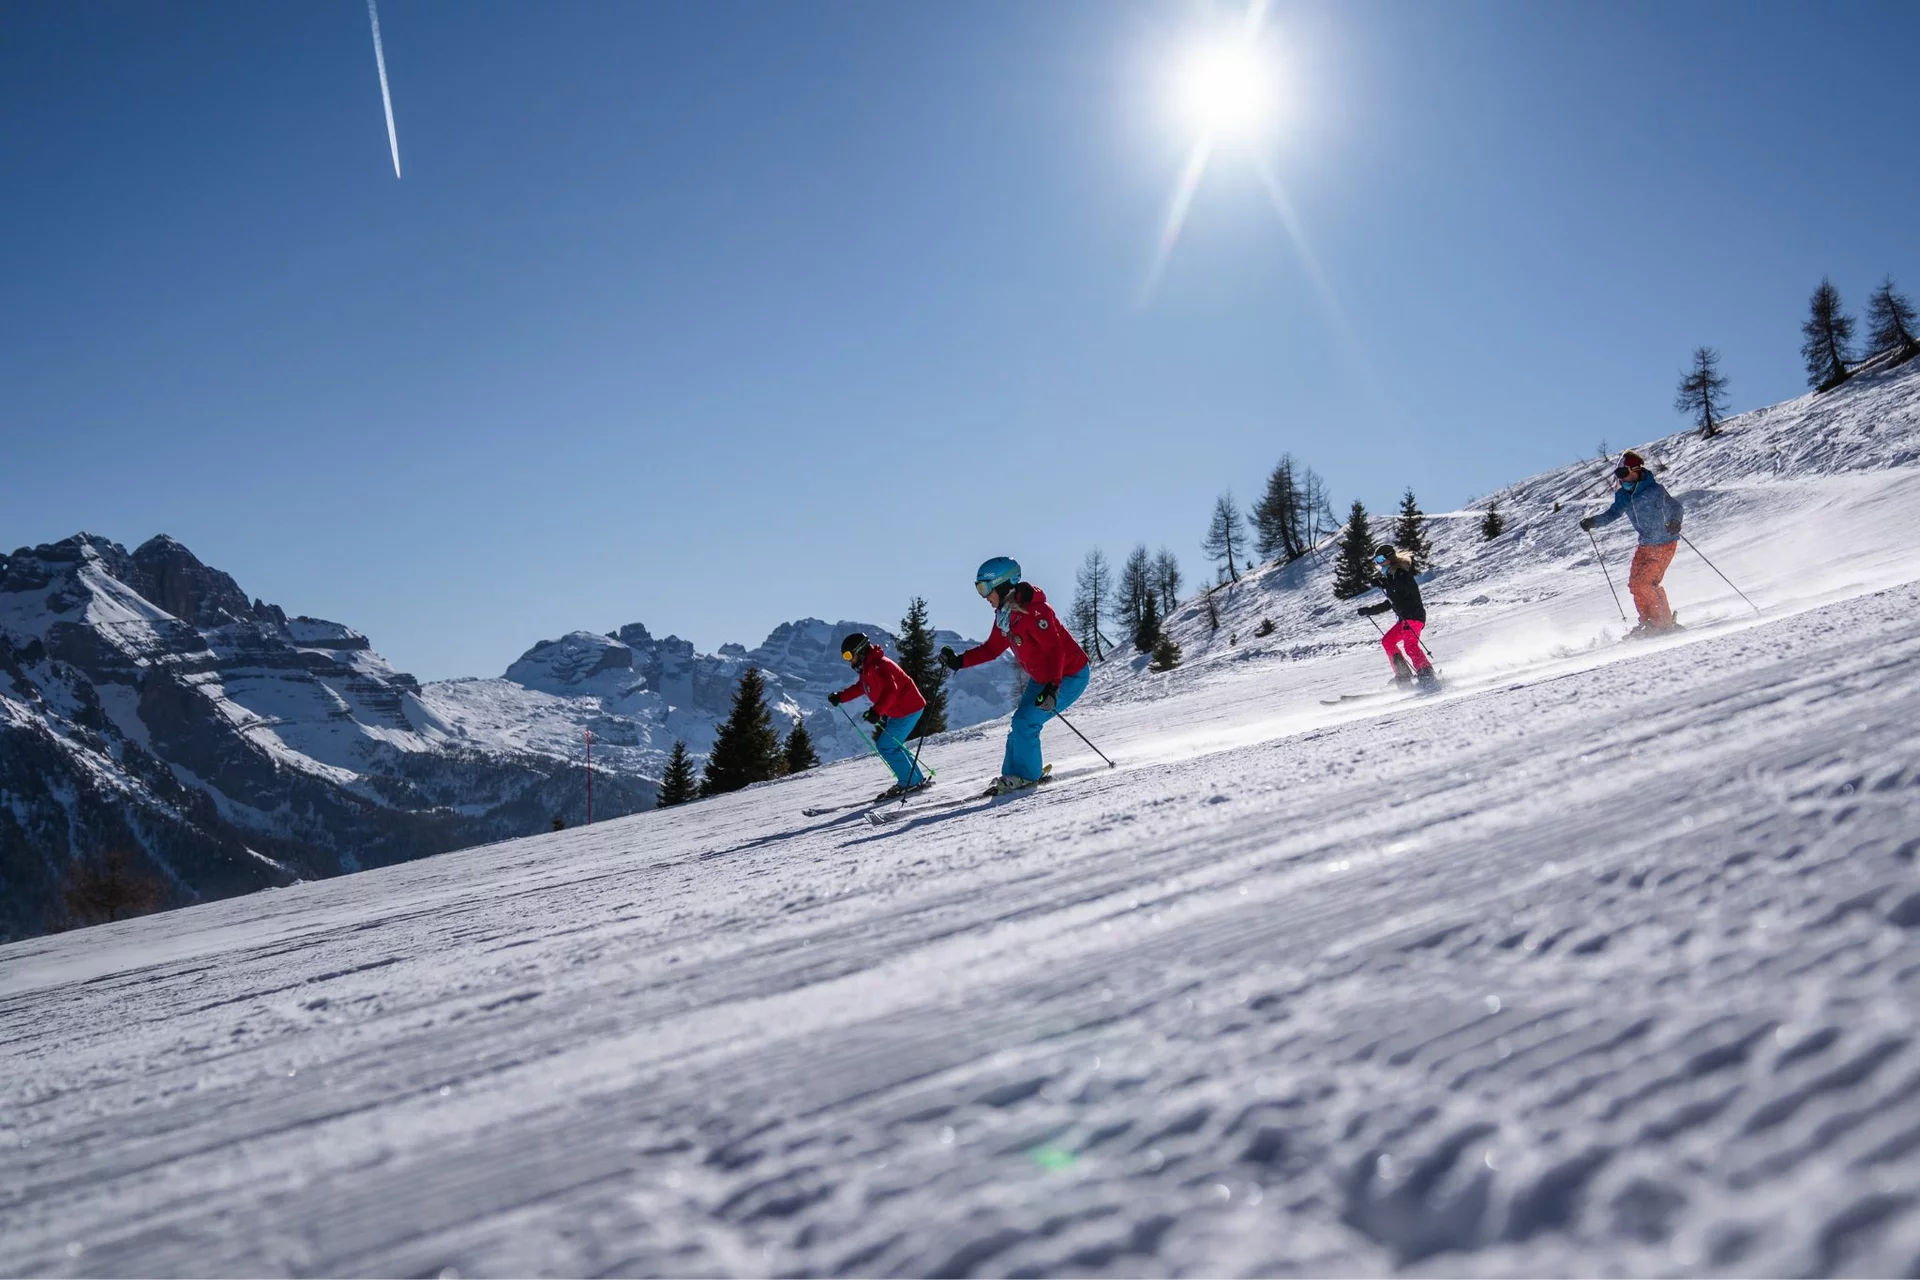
(1604, 961)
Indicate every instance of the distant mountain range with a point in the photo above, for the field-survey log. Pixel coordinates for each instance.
(148, 706)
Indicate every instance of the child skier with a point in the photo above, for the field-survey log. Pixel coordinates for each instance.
(1394, 571)
(1056, 666)
(896, 708)
(1656, 516)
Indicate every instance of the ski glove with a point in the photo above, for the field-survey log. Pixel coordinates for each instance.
(833, 699)
(871, 716)
(1368, 610)
(1049, 699)
(1586, 522)
(1673, 526)
(948, 658)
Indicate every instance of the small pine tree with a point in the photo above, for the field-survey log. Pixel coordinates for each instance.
(799, 753)
(1829, 339)
(1166, 654)
(1147, 634)
(746, 747)
(1701, 394)
(1213, 614)
(1493, 524)
(1226, 534)
(1891, 322)
(559, 823)
(110, 886)
(928, 675)
(677, 785)
(1353, 570)
(1265, 628)
(1410, 532)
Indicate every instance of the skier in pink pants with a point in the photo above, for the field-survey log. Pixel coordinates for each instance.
(1402, 641)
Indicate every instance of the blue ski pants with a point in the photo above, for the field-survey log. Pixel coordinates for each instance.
(1023, 758)
(891, 738)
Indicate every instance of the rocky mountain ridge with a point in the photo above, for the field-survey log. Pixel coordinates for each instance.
(149, 706)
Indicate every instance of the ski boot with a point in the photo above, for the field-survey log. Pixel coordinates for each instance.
(1402, 673)
(1428, 681)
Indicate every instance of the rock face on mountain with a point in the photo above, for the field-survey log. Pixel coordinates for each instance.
(149, 707)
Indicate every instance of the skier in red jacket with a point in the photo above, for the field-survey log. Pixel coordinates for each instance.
(1056, 666)
(896, 708)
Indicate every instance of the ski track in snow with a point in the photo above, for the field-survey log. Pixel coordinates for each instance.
(1613, 970)
(1602, 961)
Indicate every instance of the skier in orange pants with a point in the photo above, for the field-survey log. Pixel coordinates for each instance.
(1656, 518)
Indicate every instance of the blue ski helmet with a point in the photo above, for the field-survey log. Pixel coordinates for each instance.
(1001, 571)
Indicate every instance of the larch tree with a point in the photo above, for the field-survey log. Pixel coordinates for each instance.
(1093, 588)
(1166, 581)
(1702, 392)
(1226, 535)
(1147, 634)
(1828, 334)
(1135, 588)
(917, 659)
(1277, 516)
(1891, 323)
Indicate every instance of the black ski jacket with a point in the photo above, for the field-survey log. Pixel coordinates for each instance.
(1403, 595)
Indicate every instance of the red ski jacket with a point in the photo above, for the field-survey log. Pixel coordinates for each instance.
(882, 682)
(1044, 649)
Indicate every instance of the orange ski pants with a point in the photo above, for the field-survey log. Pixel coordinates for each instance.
(1649, 597)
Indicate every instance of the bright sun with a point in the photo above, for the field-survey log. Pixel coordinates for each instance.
(1226, 90)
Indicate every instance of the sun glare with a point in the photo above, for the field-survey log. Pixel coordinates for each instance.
(1226, 90)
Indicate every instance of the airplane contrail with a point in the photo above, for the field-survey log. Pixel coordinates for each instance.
(380, 60)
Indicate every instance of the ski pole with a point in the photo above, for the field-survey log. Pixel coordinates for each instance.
(1603, 569)
(1723, 577)
(875, 748)
(1083, 737)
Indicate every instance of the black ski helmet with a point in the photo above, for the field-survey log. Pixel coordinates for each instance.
(1384, 551)
(854, 647)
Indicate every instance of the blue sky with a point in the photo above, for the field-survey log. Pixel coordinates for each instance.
(712, 316)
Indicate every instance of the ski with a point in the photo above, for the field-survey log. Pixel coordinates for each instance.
(880, 816)
(821, 811)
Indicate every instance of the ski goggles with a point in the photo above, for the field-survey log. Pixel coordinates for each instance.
(1380, 560)
(987, 588)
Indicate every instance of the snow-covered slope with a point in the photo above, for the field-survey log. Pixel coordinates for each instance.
(146, 705)
(1603, 961)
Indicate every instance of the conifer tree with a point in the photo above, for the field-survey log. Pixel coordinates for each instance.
(1277, 517)
(1166, 654)
(1093, 588)
(1701, 394)
(1135, 588)
(746, 747)
(798, 751)
(1147, 634)
(928, 675)
(1891, 322)
(1213, 614)
(1494, 524)
(1829, 339)
(1410, 532)
(1353, 571)
(1166, 581)
(677, 785)
(1226, 534)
